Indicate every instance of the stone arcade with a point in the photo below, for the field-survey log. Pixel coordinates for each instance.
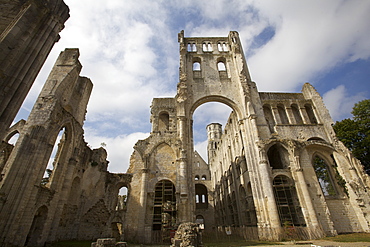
(275, 170)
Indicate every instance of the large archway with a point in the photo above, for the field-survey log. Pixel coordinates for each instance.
(210, 112)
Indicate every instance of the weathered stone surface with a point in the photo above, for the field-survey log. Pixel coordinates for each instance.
(28, 31)
(187, 234)
(275, 170)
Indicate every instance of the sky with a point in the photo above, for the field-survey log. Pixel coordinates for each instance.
(129, 50)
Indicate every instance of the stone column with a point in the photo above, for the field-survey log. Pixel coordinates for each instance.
(276, 115)
(290, 115)
(301, 182)
(264, 170)
(305, 118)
(144, 186)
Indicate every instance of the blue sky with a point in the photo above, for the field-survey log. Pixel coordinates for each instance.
(130, 52)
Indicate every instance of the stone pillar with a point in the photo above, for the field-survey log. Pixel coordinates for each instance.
(144, 186)
(268, 217)
(301, 183)
(269, 193)
(290, 115)
(25, 44)
(276, 115)
(305, 118)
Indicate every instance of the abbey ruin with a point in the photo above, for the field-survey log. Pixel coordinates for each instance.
(275, 166)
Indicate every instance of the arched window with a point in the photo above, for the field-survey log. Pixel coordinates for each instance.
(196, 66)
(201, 196)
(192, 47)
(287, 202)
(204, 177)
(197, 70)
(207, 47)
(13, 140)
(221, 66)
(297, 114)
(196, 178)
(282, 114)
(324, 176)
(222, 46)
(54, 158)
(122, 198)
(310, 113)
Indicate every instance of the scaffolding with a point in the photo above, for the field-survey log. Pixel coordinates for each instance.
(164, 211)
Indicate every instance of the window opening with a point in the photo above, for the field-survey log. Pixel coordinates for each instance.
(122, 198)
(222, 46)
(54, 158)
(207, 47)
(196, 66)
(201, 196)
(204, 177)
(221, 66)
(282, 114)
(192, 47)
(324, 176)
(311, 114)
(287, 202)
(297, 114)
(196, 178)
(13, 140)
(197, 73)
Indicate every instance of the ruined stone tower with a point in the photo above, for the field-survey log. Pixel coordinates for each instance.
(277, 164)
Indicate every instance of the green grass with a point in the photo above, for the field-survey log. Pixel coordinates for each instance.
(353, 237)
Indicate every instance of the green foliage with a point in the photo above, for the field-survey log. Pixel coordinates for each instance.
(355, 132)
(323, 176)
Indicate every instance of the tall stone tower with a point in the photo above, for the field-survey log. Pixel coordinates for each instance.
(28, 31)
(277, 167)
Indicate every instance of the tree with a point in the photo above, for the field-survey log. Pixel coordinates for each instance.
(355, 132)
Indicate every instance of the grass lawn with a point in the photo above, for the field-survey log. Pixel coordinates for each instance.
(353, 237)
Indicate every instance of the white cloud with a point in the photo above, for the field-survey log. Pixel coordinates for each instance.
(119, 148)
(129, 50)
(339, 103)
(311, 36)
